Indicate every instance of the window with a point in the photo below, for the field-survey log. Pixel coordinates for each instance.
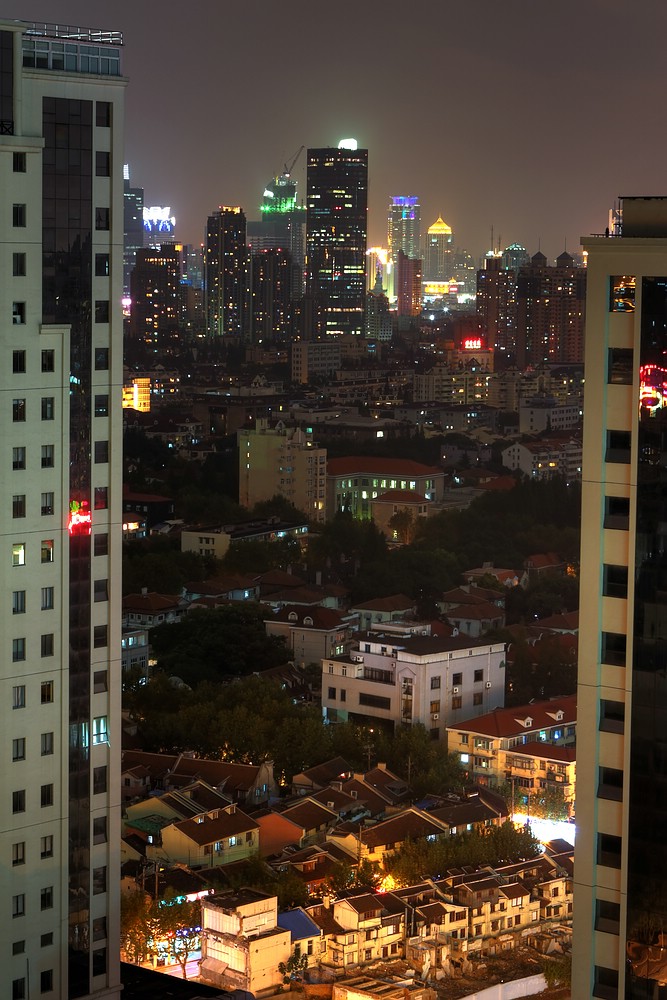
(607, 916)
(47, 550)
(18, 602)
(605, 983)
(622, 293)
(618, 447)
(101, 452)
(101, 265)
(48, 361)
(47, 504)
(100, 637)
(47, 692)
(613, 648)
(47, 456)
(100, 830)
(48, 407)
(619, 366)
(18, 265)
(102, 219)
(18, 985)
(457, 701)
(609, 850)
(46, 898)
(18, 216)
(46, 795)
(435, 707)
(101, 544)
(99, 961)
(478, 676)
(610, 784)
(18, 313)
(46, 846)
(99, 880)
(615, 581)
(100, 590)
(18, 749)
(374, 701)
(18, 649)
(18, 801)
(46, 741)
(18, 411)
(18, 854)
(18, 505)
(612, 716)
(18, 362)
(18, 696)
(343, 694)
(100, 734)
(46, 981)
(435, 683)
(102, 164)
(19, 163)
(101, 359)
(99, 928)
(46, 939)
(103, 114)
(457, 679)
(99, 780)
(18, 947)
(101, 406)
(100, 680)
(18, 458)
(478, 698)
(101, 310)
(332, 694)
(101, 498)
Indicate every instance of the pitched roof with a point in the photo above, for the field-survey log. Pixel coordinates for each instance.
(151, 603)
(298, 923)
(321, 774)
(354, 465)
(309, 814)
(546, 751)
(505, 722)
(410, 823)
(397, 602)
(401, 496)
(224, 824)
(320, 618)
(236, 777)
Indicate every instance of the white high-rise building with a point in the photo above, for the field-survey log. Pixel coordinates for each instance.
(61, 274)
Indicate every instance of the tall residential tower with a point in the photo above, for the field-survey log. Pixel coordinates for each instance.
(61, 280)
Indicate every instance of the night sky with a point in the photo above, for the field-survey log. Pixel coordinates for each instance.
(525, 116)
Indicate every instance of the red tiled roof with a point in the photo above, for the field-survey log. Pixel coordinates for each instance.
(321, 618)
(225, 825)
(397, 602)
(150, 603)
(505, 722)
(546, 751)
(401, 496)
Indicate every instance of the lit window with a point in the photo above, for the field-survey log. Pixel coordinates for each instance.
(100, 733)
(47, 550)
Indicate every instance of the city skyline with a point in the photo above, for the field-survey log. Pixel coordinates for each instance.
(506, 117)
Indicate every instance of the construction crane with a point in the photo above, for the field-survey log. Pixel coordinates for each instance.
(289, 167)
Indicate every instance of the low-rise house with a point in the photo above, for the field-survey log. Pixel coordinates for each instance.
(151, 609)
(210, 839)
(215, 540)
(474, 620)
(313, 817)
(442, 935)
(315, 865)
(305, 936)
(373, 927)
(242, 944)
(148, 816)
(222, 590)
(248, 784)
(413, 505)
(319, 776)
(376, 842)
(383, 609)
(311, 633)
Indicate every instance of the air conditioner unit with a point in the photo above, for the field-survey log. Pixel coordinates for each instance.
(435, 716)
(455, 690)
(488, 685)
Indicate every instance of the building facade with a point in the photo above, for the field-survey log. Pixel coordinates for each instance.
(61, 219)
(621, 855)
(226, 273)
(336, 235)
(283, 461)
(404, 226)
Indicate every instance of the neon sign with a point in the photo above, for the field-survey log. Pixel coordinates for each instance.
(80, 518)
(157, 219)
(472, 344)
(652, 388)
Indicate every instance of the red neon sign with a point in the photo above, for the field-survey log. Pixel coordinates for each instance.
(80, 518)
(472, 344)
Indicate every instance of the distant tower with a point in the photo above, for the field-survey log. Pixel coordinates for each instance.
(378, 317)
(550, 311)
(154, 290)
(515, 256)
(404, 226)
(270, 295)
(226, 273)
(496, 307)
(408, 284)
(133, 224)
(438, 251)
(336, 234)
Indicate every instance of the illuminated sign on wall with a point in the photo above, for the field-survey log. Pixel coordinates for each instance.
(472, 344)
(158, 220)
(80, 518)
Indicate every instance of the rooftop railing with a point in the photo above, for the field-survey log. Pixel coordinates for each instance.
(72, 32)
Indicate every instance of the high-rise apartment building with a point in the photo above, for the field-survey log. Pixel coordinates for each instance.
(226, 273)
(155, 293)
(282, 461)
(336, 234)
(496, 306)
(404, 226)
(270, 281)
(620, 874)
(550, 305)
(61, 277)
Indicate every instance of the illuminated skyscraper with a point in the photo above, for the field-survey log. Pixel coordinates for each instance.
(620, 873)
(438, 252)
(226, 273)
(61, 149)
(408, 284)
(133, 224)
(270, 295)
(404, 226)
(550, 304)
(336, 234)
(155, 293)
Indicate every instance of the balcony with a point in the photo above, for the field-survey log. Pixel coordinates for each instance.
(377, 676)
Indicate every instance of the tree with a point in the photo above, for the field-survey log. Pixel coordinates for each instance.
(403, 525)
(558, 971)
(180, 925)
(134, 925)
(293, 969)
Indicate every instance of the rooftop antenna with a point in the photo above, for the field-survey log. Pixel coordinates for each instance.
(491, 237)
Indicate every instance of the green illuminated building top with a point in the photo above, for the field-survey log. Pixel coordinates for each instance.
(279, 196)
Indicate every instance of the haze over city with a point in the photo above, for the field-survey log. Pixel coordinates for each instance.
(511, 116)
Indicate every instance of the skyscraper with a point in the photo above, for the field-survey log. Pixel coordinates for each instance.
(336, 226)
(620, 898)
(155, 293)
(61, 121)
(133, 224)
(226, 273)
(404, 226)
(438, 251)
(550, 305)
